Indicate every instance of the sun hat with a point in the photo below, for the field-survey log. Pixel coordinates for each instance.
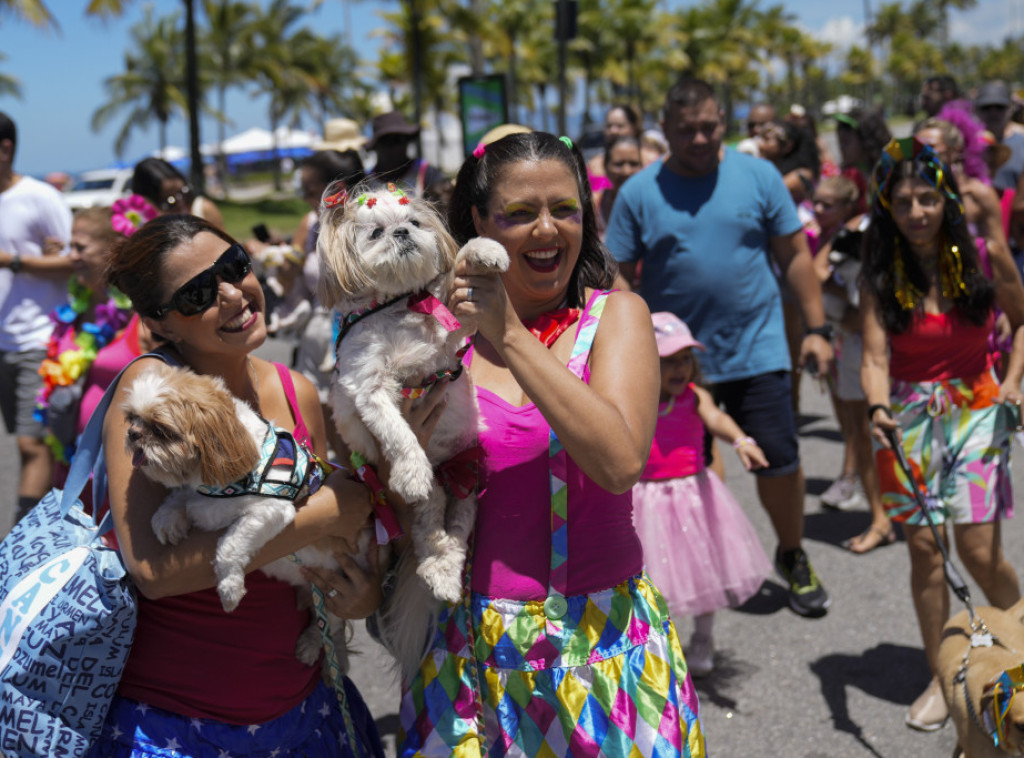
(341, 134)
(994, 92)
(503, 130)
(672, 334)
(392, 122)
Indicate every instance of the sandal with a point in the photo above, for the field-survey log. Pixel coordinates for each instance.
(869, 540)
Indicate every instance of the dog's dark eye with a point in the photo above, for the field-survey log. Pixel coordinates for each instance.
(414, 222)
(375, 234)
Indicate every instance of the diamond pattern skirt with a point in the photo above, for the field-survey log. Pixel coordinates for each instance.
(607, 679)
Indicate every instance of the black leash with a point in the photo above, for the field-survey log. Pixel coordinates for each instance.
(953, 577)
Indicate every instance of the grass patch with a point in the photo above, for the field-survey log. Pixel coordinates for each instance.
(281, 216)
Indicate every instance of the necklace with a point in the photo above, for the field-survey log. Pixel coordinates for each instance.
(668, 408)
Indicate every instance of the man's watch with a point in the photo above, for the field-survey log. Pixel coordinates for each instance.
(15, 264)
(825, 330)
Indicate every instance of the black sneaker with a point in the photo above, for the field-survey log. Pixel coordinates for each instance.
(807, 596)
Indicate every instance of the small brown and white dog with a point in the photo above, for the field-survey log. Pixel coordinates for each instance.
(387, 264)
(984, 667)
(187, 432)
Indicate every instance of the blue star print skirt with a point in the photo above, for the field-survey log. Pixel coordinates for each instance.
(314, 728)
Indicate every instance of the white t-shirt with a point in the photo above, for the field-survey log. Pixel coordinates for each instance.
(30, 211)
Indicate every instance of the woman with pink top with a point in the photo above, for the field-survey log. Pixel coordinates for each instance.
(557, 608)
(927, 372)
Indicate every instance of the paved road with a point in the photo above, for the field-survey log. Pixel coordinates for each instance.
(833, 687)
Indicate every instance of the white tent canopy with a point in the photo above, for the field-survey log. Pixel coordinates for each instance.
(257, 139)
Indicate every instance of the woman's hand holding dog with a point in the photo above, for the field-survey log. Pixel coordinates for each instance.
(351, 592)
(349, 504)
(480, 299)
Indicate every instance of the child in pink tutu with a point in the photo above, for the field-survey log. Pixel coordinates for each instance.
(699, 548)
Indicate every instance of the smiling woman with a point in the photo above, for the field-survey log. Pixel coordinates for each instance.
(566, 375)
(194, 287)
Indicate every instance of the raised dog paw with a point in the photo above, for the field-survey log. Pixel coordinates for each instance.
(231, 589)
(412, 479)
(485, 253)
(170, 525)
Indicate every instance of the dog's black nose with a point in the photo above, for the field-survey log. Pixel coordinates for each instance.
(401, 232)
(134, 435)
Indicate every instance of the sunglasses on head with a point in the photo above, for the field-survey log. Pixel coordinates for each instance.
(200, 292)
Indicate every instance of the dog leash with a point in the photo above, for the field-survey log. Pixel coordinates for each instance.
(981, 635)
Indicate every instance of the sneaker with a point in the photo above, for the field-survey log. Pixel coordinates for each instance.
(840, 491)
(700, 656)
(807, 596)
(929, 712)
(857, 501)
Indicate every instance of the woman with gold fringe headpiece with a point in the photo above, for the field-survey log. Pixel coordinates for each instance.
(928, 375)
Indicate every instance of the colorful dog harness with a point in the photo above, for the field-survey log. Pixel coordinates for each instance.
(287, 470)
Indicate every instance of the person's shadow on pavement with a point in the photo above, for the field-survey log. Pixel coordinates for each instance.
(895, 673)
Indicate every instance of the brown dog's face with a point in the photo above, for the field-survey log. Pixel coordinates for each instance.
(183, 429)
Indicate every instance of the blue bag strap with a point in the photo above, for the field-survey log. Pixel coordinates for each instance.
(88, 458)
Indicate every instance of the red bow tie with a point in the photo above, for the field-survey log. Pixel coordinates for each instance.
(549, 326)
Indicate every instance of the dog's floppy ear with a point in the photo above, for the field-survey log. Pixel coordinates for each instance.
(447, 247)
(228, 450)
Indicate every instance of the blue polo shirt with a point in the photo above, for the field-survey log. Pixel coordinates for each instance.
(704, 243)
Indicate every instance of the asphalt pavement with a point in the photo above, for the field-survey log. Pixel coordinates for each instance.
(783, 685)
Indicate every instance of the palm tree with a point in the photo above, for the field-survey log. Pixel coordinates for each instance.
(151, 86)
(33, 11)
(226, 52)
(9, 85)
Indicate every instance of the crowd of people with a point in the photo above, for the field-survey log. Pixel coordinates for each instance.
(890, 271)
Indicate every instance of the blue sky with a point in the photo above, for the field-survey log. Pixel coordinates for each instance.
(61, 73)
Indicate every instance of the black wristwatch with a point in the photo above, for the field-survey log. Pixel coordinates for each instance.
(15, 264)
(825, 330)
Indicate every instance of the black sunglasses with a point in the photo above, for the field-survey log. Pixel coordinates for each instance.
(200, 292)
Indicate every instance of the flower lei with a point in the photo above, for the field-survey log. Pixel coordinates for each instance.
(64, 368)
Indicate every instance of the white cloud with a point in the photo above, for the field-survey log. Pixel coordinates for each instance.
(842, 33)
(987, 23)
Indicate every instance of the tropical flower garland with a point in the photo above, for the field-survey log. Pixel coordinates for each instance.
(62, 368)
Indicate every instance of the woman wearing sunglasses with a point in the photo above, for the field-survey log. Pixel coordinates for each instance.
(199, 681)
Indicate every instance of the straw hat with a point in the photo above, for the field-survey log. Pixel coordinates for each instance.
(341, 134)
(503, 130)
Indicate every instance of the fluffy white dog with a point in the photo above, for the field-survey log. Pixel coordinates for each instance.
(387, 264)
(227, 469)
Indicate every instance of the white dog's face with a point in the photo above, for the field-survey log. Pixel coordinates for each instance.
(382, 241)
(183, 429)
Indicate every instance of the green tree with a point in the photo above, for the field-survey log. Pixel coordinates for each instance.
(150, 89)
(34, 12)
(9, 85)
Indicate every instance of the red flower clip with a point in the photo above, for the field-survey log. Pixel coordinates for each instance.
(338, 198)
(403, 200)
(371, 202)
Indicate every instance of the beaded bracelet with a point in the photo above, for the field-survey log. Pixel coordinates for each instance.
(741, 441)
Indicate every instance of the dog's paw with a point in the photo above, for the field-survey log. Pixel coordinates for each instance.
(412, 478)
(307, 649)
(170, 525)
(442, 572)
(481, 252)
(231, 589)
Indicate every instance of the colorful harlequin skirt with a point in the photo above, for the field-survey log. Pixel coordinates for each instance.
(607, 679)
(957, 440)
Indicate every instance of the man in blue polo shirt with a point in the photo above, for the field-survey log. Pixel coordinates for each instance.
(708, 224)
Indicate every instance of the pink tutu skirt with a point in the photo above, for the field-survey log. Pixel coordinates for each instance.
(700, 549)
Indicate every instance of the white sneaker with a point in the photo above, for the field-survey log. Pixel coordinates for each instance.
(700, 656)
(857, 501)
(843, 493)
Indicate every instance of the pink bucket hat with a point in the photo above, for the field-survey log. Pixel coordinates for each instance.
(672, 334)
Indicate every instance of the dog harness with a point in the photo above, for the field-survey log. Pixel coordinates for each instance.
(287, 470)
(418, 302)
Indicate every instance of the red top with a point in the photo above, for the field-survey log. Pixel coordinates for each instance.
(192, 658)
(940, 346)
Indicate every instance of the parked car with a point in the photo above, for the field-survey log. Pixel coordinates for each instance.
(99, 187)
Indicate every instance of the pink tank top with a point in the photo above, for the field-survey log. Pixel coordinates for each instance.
(678, 448)
(512, 552)
(192, 658)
